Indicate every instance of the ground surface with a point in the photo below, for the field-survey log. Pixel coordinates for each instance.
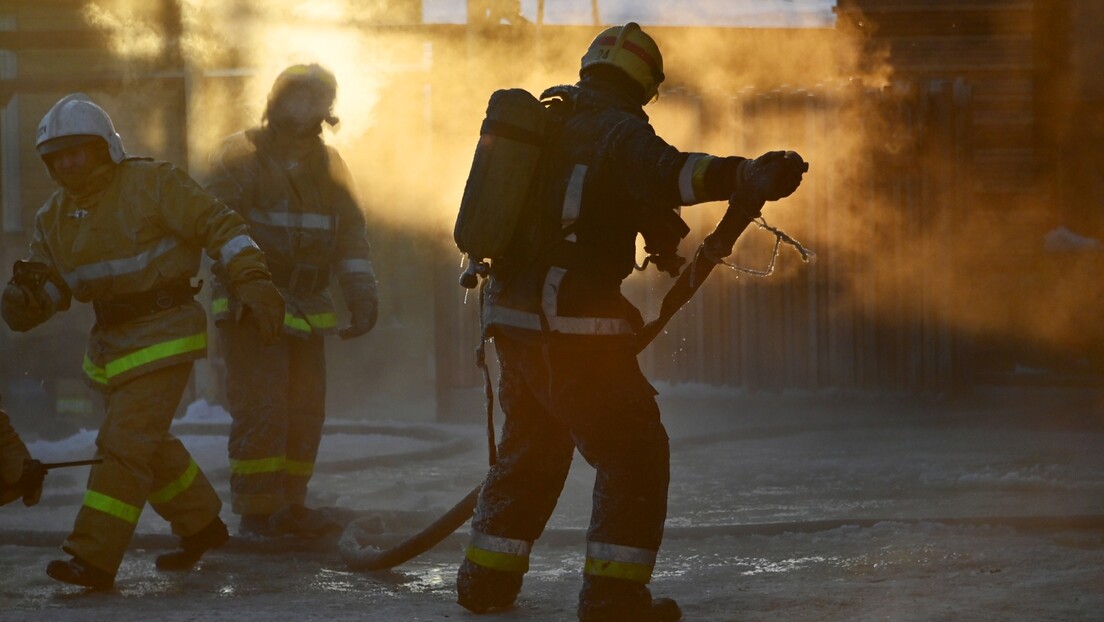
(782, 507)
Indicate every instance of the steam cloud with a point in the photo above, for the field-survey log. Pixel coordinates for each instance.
(411, 109)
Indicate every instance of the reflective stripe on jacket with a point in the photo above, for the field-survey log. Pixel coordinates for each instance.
(147, 230)
(609, 175)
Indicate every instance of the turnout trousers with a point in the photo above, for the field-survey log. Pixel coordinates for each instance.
(141, 461)
(277, 400)
(557, 400)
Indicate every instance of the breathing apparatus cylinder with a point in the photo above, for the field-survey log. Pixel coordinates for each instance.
(506, 162)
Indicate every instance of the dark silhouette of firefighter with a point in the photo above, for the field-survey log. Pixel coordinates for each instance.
(565, 336)
(20, 476)
(298, 196)
(125, 234)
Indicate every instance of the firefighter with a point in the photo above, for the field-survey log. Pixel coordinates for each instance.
(298, 196)
(125, 234)
(564, 334)
(20, 476)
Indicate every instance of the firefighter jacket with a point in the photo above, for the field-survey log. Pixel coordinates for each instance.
(608, 179)
(140, 241)
(302, 211)
(12, 454)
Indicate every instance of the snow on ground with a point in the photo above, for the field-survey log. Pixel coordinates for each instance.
(782, 507)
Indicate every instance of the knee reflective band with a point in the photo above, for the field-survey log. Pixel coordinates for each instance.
(258, 465)
(298, 467)
(114, 507)
(499, 553)
(279, 464)
(171, 490)
(619, 562)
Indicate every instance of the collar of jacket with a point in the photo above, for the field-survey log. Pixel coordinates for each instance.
(98, 181)
(287, 147)
(595, 92)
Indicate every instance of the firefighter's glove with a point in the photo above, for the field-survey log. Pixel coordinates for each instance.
(24, 307)
(770, 177)
(364, 311)
(263, 306)
(30, 483)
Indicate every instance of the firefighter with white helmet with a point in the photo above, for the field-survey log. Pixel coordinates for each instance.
(125, 234)
(299, 199)
(566, 337)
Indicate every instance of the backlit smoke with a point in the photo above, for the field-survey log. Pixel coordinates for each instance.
(411, 102)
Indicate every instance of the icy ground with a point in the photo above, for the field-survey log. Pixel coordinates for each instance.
(782, 507)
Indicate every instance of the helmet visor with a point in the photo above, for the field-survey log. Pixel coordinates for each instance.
(64, 142)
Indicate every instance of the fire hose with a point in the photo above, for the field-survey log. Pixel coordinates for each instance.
(717, 245)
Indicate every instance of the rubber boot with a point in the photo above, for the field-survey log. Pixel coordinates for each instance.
(666, 610)
(480, 589)
(310, 523)
(257, 526)
(76, 571)
(603, 599)
(194, 546)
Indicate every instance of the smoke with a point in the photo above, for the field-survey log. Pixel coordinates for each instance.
(883, 203)
(131, 29)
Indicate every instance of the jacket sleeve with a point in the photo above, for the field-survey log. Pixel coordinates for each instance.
(12, 454)
(352, 260)
(56, 286)
(199, 218)
(57, 296)
(653, 172)
(231, 176)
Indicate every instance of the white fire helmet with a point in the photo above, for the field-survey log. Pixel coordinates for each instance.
(73, 120)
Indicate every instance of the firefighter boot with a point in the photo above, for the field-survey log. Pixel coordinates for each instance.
(606, 599)
(480, 589)
(194, 546)
(79, 572)
(257, 526)
(307, 522)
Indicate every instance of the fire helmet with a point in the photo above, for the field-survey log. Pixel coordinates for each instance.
(632, 51)
(318, 80)
(76, 119)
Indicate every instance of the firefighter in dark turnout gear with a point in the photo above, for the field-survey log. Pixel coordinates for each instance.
(125, 234)
(298, 196)
(20, 476)
(564, 334)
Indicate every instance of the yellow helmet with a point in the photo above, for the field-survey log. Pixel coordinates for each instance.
(632, 51)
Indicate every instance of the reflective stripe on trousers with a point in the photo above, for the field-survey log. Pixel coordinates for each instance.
(619, 562)
(142, 462)
(278, 464)
(277, 402)
(497, 553)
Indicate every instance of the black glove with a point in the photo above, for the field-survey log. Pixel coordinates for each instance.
(772, 176)
(31, 481)
(23, 307)
(365, 312)
(263, 305)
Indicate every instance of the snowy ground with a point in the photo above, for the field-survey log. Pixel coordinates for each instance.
(782, 507)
